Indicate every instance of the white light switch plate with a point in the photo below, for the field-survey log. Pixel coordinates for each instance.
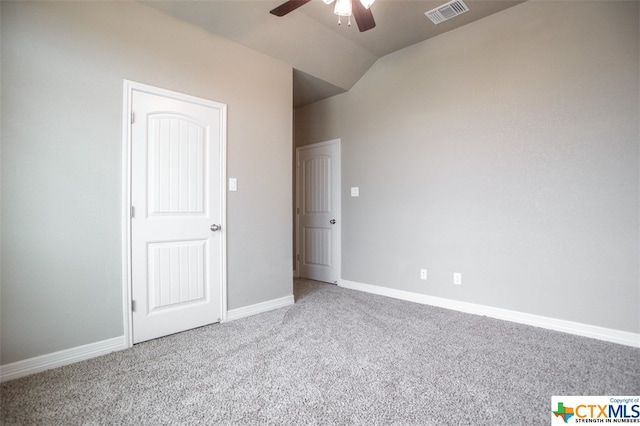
(355, 191)
(233, 184)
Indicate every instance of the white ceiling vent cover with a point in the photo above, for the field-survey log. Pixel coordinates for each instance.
(447, 11)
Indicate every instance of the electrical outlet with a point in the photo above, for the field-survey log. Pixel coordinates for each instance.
(457, 278)
(423, 274)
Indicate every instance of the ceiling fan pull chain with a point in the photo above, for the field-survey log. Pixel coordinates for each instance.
(348, 20)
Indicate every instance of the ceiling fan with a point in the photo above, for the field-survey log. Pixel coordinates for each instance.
(358, 8)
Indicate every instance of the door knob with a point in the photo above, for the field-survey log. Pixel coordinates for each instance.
(332, 221)
(215, 227)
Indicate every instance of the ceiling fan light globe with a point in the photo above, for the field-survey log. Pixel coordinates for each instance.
(343, 8)
(367, 3)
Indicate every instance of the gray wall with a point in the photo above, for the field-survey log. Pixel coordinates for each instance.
(63, 66)
(506, 150)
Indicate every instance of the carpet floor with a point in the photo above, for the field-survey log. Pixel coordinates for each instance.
(336, 357)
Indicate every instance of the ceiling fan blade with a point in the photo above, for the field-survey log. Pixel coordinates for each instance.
(364, 17)
(288, 6)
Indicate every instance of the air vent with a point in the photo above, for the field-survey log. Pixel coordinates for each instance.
(447, 11)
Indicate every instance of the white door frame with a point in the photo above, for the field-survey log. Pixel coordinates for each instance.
(338, 232)
(129, 87)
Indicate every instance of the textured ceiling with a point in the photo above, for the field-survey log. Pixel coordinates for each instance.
(327, 58)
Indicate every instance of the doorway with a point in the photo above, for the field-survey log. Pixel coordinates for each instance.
(318, 221)
(176, 221)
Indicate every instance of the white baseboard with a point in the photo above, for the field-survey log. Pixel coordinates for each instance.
(40, 363)
(258, 308)
(594, 332)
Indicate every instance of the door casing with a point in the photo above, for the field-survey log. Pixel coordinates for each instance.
(128, 88)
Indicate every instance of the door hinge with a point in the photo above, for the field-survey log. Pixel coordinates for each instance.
(297, 257)
(133, 306)
(133, 212)
(133, 117)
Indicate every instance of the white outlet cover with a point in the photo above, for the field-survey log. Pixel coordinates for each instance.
(355, 191)
(457, 278)
(233, 184)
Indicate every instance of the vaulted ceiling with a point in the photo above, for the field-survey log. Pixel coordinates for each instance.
(327, 58)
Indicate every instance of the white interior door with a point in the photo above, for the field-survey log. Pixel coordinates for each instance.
(318, 171)
(177, 191)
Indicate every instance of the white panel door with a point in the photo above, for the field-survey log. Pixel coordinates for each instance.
(318, 171)
(176, 194)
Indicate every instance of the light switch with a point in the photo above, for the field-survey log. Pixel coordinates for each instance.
(355, 191)
(233, 184)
